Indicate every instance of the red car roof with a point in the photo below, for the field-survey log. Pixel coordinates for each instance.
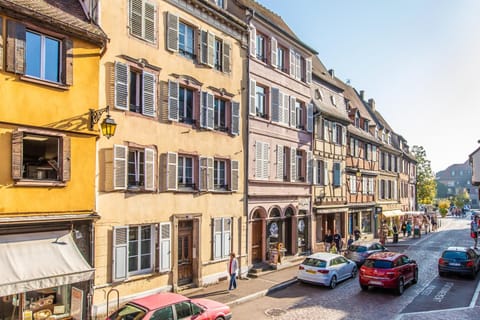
(387, 255)
(159, 300)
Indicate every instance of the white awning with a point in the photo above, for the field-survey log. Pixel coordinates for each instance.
(393, 213)
(40, 260)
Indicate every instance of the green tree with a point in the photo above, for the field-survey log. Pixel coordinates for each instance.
(462, 198)
(426, 184)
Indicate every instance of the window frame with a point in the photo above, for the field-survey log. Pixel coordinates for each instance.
(261, 47)
(43, 56)
(183, 177)
(221, 237)
(220, 183)
(183, 48)
(261, 101)
(152, 249)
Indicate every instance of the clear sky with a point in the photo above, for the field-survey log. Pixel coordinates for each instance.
(419, 60)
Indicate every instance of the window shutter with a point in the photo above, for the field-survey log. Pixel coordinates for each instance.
(203, 174)
(149, 22)
(121, 86)
(314, 171)
(149, 169)
(66, 150)
(17, 155)
(165, 253)
(253, 88)
(203, 109)
(120, 253)
(308, 71)
(227, 227)
(217, 238)
(235, 118)
(280, 107)
(1, 43)
(274, 51)
(119, 167)
(292, 63)
(149, 94)
(334, 133)
(136, 13)
(203, 46)
(310, 117)
(15, 47)
(326, 179)
(210, 111)
(173, 93)
(172, 173)
(210, 174)
(286, 109)
(280, 163)
(172, 32)
(226, 57)
(336, 174)
(344, 136)
(234, 175)
(275, 94)
(67, 63)
(211, 49)
(309, 167)
(253, 41)
(259, 160)
(293, 112)
(293, 164)
(266, 160)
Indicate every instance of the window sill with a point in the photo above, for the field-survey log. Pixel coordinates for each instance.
(39, 183)
(44, 82)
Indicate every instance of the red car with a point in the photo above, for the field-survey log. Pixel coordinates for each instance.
(391, 270)
(172, 306)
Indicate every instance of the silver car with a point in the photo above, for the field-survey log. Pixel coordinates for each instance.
(360, 250)
(326, 269)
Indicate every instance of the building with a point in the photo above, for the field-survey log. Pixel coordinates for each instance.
(49, 61)
(456, 179)
(170, 182)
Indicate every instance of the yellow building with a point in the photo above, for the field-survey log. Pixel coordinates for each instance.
(170, 182)
(49, 62)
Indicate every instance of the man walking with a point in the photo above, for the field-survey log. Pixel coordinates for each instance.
(232, 271)
(474, 230)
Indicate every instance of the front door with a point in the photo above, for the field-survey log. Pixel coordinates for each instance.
(257, 241)
(185, 266)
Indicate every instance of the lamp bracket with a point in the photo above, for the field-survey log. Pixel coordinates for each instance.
(95, 116)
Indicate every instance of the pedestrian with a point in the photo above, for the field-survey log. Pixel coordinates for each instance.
(350, 240)
(474, 230)
(232, 271)
(337, 238)
(384, 232)
(328, 240)
(333, 248)
(409, 229)
(404, 228)
(356, 233)
(395, 232)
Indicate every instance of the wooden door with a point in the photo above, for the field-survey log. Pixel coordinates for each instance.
(257, 241)
(185, 260)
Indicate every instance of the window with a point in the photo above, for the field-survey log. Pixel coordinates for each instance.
(261, 47)
(299, 165)
(295, 65)
(186, 38)
(185, 105)
(368, 151)
(299, 115)
(140, 248)
(220, 115)
(38, 157)
(133, 168)
(136, 168)
(184, 310)
(364, 185)
(338, 134)
(42, 57)
(160, 314)
(185, 172)
(371, 186)
(337, 175)
(220, 3)
(365, 125)
(357, 119)
(222, 229)
(260, 101)
(326, 130)
(353, 184)
(219, 175)
(262, 160)
(281, 64)
(142, 20)
(321, 172)
(218, 60)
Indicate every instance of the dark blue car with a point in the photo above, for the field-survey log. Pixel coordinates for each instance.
(459, 260)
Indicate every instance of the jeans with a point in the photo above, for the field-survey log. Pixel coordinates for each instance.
(233, 282)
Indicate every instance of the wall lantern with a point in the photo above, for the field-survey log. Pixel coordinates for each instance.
(108, 125)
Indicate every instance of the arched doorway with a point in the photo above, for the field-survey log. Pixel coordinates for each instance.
(288, 230)
(257, 237)
(273, 232)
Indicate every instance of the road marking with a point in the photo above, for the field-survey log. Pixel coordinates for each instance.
(443, 292)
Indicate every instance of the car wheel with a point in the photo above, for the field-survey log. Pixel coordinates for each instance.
(364, 287)
(401, 287)
(354, 272)
(219, 318)
(415, 277)
(333, 282)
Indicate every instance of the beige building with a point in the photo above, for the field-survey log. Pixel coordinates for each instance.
(170, 182)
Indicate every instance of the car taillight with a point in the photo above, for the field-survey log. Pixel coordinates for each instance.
(323, 271)
(469, 263)
(441, 261)
(301, 268)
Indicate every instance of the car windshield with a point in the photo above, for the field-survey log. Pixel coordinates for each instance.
(312, 262)
(128, 312)
(457, 255)
(357, 248)
(379, 264)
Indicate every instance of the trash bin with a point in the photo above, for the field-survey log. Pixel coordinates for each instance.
(395, 237)
(416, 233)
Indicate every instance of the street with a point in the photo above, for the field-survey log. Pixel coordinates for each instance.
(348, 301)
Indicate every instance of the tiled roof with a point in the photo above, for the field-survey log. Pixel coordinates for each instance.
(361, 134)
(61, 15)
(319, 70)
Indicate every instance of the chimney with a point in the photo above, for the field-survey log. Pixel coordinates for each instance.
(362, 94)
(332, 72)
(371, 102)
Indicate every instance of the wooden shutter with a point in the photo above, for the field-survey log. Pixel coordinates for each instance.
(172, 172)
(293, 164)
(235, 127)
(165, 246)
(234, 175)
(227, 230)
(120, 253)
(259, 160)
(336, 174)
(325, 173)
(66, 151)
(203, 109)
(308, 71)
(273, 48)
(286, 109)
(136, 16)
(217, 238)
(67, 62)
(310, 117)
(173, 94)
(226, 57)
(253, 95)
(266, 160)
(149, 22)
(203, 174)
(1, 43)
(203, 46)
(210, 111)
(120, 154)
(149, 94)
(211, 49)
(309, 167)
(280, 163)
(15, 47)
(210, 174)
(17, 155)
(292, 63)
(253, 41)
(149, 169)
(275, 104)
(281, 98)
(172, 32)
(293, 112)
(121, 86)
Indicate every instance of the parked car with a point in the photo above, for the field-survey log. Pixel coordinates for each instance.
(166, 305)
(361, 250)
(459, 260)
(391, 270)
(326, 269)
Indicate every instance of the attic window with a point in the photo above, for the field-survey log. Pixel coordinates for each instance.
(318, 94)
(334, 101)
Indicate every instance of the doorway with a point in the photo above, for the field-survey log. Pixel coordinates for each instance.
(185, 258)
(257, 237)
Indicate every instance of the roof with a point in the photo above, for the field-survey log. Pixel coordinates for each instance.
(157, 300)
(65, 16)
(386, 255)
(463, 249)
(324, 255)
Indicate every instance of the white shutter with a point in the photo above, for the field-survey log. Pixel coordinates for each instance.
(286, 109)
(203, 47)
(275, 101)
(227, 48)
(364, 185)
(203, 109)
(217, 238)
(292, 63)
(235, 127)
(173, 94)
(273, 48)
(280, 163)
(172, 32)
(253, 88)
(121, 86)
(165, 246)
(280, 107)
(309, 167)
(148, 94)
(210, 174)
(211, 49)
(293, 112)
(119, 167)
(210, 111)
(149, 22)
(234, 175)
(266, 160)
(310, 117)
(172, 172)
(149, 169)
(227, 231)
(308, 71)
(259, 160)
(136, 16)
(202, 183)
(315, 171)
(293, 164)
(325, 173)
(253, 41)
(120, 253)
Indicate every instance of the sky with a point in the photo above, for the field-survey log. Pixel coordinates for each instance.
(419, 60)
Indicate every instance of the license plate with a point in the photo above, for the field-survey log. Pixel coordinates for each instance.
(311, 271)
(375, 283)
(454, 264)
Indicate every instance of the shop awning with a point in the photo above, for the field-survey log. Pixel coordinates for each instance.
(40, 260)
(393, 213)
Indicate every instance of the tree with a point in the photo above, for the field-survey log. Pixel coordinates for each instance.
(462, 199)
(426, 184)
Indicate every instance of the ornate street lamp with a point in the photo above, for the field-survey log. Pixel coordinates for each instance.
(108, 125)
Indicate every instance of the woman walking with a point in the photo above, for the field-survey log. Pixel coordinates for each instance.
(232, 271)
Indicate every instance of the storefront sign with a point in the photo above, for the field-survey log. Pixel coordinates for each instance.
(76, 307)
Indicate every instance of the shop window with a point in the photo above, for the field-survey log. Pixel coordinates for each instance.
(366, 222)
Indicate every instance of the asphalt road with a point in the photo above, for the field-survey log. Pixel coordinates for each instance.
(431, 298)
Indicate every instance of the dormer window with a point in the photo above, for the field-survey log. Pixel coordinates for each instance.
(365, 125)
(357, 119)
(334, 101)
(318, 94)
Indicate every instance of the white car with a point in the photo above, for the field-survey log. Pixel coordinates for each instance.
(326, 269)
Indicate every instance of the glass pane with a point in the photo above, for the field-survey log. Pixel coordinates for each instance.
(33, 54)
(163, 314)
(52, 59)
(145, 261)
(183, 310)
(132, 263)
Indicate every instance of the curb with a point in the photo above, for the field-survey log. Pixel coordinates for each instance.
(262, 293)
